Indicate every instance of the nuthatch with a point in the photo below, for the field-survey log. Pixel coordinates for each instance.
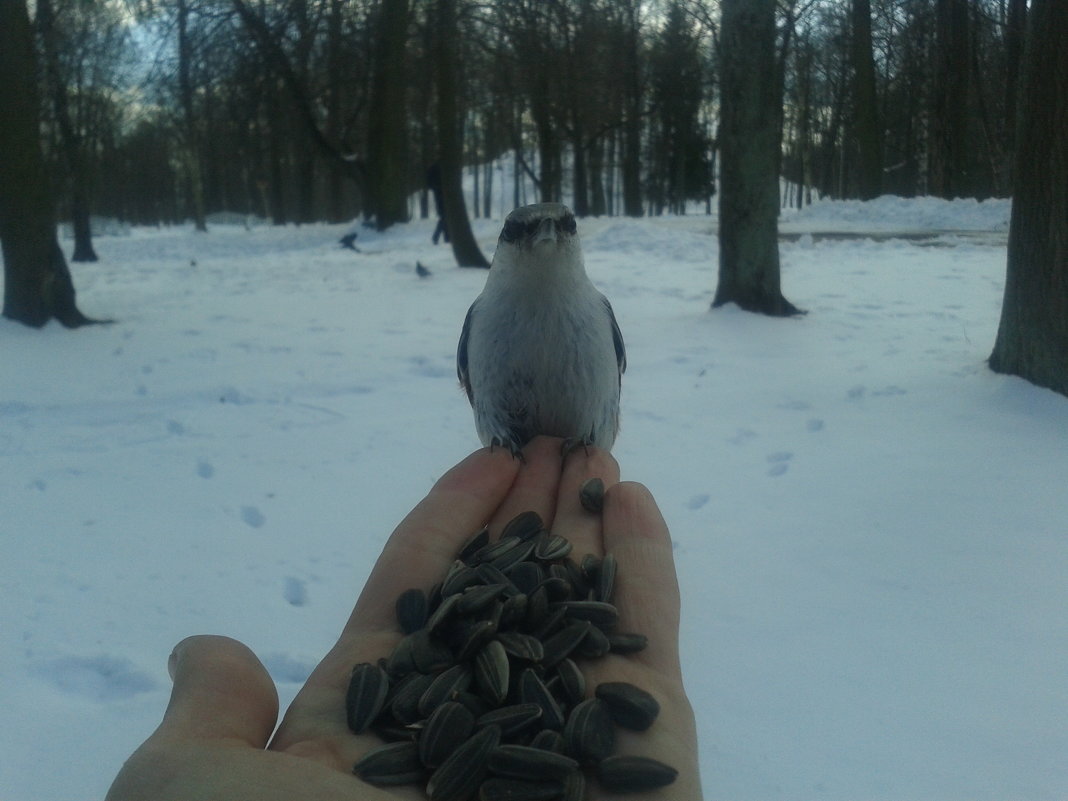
(540, 351)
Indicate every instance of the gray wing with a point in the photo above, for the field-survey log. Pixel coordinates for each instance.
(461, 356)
(617, 339)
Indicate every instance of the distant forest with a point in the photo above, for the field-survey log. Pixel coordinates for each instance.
(157, 111)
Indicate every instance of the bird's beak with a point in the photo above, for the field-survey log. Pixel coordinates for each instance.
(546, 233)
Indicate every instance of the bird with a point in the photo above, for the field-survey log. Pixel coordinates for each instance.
(421, 270)
(540, 351)
(349, 241)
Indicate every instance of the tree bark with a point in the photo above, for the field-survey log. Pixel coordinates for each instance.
(189, 123)
(749, 142)
(1032, 340)
(866, 109)
(387, 136)
(632, 127)
(464, 246)
(37, 282)
(949, 123)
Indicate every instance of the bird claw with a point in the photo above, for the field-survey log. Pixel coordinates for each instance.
(511, 445)
(572, 444)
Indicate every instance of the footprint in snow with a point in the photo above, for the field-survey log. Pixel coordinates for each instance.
(295, 591)
(815, 424)
(101, 678)
(697, 501)
(252, 516)
(780, 462)
(205, 469)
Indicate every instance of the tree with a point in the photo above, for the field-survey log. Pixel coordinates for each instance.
(387, 139)
(866, 109)
(1032, 340)
(37, 282)
(749, 140)
(464, 246)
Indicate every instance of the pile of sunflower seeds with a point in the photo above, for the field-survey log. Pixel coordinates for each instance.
(483, 696)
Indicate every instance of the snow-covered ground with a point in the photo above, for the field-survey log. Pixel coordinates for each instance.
(871, 527)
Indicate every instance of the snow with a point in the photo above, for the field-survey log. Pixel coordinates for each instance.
(869, 525)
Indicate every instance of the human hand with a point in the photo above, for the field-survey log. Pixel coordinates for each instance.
(215, 738)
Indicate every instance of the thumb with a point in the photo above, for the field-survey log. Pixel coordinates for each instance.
(221, 692)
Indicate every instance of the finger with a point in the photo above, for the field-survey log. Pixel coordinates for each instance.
(581, 527)
(536, 484)
(221, 692)
(647, 588)
(422, 547)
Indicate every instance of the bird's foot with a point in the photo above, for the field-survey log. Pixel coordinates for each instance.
(511, 445)
(572, 444)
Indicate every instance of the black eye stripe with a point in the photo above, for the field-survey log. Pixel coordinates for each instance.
(515, 230)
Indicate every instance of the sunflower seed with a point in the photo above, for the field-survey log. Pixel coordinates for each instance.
(491, 671)
(597, 612)
(627, 643)
(525, 762)
(448, 684)
(497, 789)
(572, 681)
(458, 578)
(606, 578)
(563, 642)
(522, 645)
(513, 556)
(554, 547)
(443, 613)
(525, 526)
(475, 543)
(474, 637)
(488, 574)
(588, 735)
(591, 495)
(411, 609)
(496, 549)
(390, 764)
(632, 774)
(574, 787)
(511, 719)
(401, 662)
(594, 645)
(405, 702)
(532, 690)
(457, 778)
(514, 610)
(366, 696)
(526, 576)
(451, 724)
(548, 740)
(475, 599)
(631, 707)
(428, 654)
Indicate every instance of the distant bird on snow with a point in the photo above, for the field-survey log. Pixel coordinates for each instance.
(349, 241)
(422, 271)
(540, 351)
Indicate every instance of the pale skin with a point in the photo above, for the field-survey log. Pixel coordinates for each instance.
(215, 740)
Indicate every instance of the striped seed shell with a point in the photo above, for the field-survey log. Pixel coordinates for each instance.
(458, 577)
(526, 576)
(631, 774)
(574, 787)
(532, 690)
(366, 695)
(606, 578)
(514, 556)
(411, 609)
(551, 548)
(591, 495)
(400, 661)
(451, 724)
(548, 740)
(448, 684)
(405, 701)
(597, 612)
(589, 735)
(511, 719)
(428, 654)
(473, 637)
(488, 574)
(631, 707)
(572, 681)
(478, 597)
(390, 764)
(526, 762)
(444, 612)
(498, 789)
(475, 543)
(563, 642)
(496, 549)
(492, 671)
(523, 646)
(594, 645)
(459, 776)
(525, 525)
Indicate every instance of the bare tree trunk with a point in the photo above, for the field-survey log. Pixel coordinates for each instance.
(462, 239)
(1032, 339)
(632, 127)
(189, 125)
(387, 136)
(1015, 30)
(868, 132)
(949, 124)
(37, 282)
(749, 143)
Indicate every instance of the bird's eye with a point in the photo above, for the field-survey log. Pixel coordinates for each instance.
(513, 230)
(567, 224)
